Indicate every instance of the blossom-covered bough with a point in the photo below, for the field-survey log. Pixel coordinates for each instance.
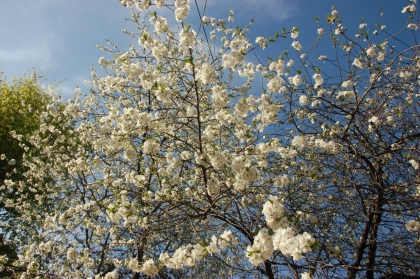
(189, 159)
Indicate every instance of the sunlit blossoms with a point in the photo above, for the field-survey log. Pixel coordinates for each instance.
(279, 237)
(194, 155)
(273, 211)
(187, 38)
(207, 73)
(182, 9)
(320, 31)
(72, 254)
(296, 80)
(409, 8)
(412, 226)
(318, 79)
(261, 41)
(303, 100)
(161, 25)
(261, 249)
(296, 45)
(130, 153)
(359, 63)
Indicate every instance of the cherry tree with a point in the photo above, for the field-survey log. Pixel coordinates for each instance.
(355, 128)
(189, 158)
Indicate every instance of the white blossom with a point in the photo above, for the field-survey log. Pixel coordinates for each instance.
(359, 63)
(296, 80)
(71, 254)
(261, 41)
(412, 226)
(304, 100)
(187, 38)
(414, 163)
(296, 45)
(409, 8)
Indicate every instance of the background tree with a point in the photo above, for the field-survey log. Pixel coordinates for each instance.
(21, 103)
(24, 103)
(188, 158)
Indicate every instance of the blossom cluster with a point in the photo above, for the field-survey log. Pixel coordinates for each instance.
(278, 237)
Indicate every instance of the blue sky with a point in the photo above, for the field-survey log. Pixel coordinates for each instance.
(58, 37)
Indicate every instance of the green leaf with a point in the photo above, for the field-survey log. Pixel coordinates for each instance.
(315, 245)
(330, 18)
(155, 86)
(189, 60)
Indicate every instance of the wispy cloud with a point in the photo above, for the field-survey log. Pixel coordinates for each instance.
(22, 55)
(57, 38)
(277, 10)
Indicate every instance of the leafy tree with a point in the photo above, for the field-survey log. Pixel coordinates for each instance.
(24, 103)
(189, 159)
(21, 104)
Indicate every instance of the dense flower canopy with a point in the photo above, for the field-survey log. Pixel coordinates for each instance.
(189, 156)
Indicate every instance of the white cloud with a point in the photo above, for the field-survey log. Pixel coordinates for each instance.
(57, 38)
(22, 55)
(277, 10)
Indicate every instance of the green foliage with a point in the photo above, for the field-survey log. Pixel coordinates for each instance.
(21, 103)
